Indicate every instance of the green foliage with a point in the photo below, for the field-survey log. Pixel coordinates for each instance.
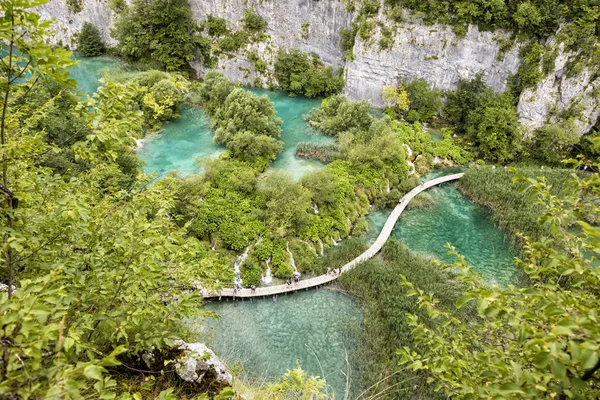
(527, 346)
(253, 22)
(89, 42)
(552, 144)
(299, 74)
(75, 6)
(215, 26)
(426, 102)
(376, 284)
(338, 114)
(489, 120)
(92, 263)
(325, 153)
(512, 208)
(214, 90)
(296, 381)
(158, 94)
(244, 122)
(348, 37)
(233, 41)
(286, 205)
(157, 31)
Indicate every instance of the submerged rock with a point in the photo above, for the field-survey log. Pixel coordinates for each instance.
(198, 362)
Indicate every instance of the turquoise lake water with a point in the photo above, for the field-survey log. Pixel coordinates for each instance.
(456, 220)
(318, 329)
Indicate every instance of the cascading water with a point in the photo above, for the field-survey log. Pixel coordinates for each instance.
(315, 208)
(268, 278)
(287, 247)
(322, 250)
(237, 279)
(388, 186)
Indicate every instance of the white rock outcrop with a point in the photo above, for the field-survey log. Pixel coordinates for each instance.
(430, 52)
(198, 361)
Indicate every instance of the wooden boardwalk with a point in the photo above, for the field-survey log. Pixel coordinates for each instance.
(325, 279)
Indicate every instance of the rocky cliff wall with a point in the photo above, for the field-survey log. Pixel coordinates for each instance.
(432, 52)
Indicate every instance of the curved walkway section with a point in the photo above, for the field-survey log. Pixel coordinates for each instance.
(370, 252)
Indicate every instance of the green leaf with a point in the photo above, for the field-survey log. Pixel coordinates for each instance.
(510, 388)
(93, 372)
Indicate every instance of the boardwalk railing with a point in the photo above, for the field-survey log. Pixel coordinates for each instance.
(370, 252)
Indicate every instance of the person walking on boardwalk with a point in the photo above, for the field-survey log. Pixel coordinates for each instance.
(328, 270)
(288, 282)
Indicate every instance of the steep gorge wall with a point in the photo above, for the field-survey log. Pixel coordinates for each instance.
(432, 52)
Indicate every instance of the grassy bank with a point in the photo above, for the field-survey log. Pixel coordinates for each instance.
(512, 207)
(376, 284)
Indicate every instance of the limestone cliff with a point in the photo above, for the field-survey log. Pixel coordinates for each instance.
(433, 52)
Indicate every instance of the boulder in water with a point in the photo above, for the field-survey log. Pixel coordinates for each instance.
(198, 362)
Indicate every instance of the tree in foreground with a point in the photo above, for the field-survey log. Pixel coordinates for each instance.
(539, 341)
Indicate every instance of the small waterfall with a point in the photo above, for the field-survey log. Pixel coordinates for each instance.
(333, 241)
(388, 186)
(412, 168)
(339, 237)
(409, 151)
(287, 247)
(321, 244)
(139, 143)
(268, 278)
(315, 208)
(236, 266)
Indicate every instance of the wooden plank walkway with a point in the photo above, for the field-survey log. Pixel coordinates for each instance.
(325, 279)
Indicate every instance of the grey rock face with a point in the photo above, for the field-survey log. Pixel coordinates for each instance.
(198, 361)
(430, 52)
(558, 93)
(68, 25)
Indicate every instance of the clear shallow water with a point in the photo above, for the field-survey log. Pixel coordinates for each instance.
(314, 328)
(295, 130)
(89, 70)
(180, 144)
(454, 219)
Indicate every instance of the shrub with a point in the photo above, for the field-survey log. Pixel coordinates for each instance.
(299, 74)
(89, 41)
(253, 22)
(216, 26)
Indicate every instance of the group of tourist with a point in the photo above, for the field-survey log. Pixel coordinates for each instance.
(335, 271)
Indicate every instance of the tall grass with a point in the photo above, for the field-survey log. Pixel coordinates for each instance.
(323, 152)
(513, 208)
(376, 283)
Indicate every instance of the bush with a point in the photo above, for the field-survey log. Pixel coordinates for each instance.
(299, 74)
(253, 22)
(551, 144)
(89, 41)
(216, 26)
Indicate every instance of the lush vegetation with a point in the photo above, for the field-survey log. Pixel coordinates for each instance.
(366, 140)
(523, 344)
(158, 95)
(488, 120)
(157, 32)
(301, 74)
(92, 265)
(513, 208)
(377, 285)
(414, 101)
(89, 41)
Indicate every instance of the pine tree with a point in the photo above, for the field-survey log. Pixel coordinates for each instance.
(89, 42)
